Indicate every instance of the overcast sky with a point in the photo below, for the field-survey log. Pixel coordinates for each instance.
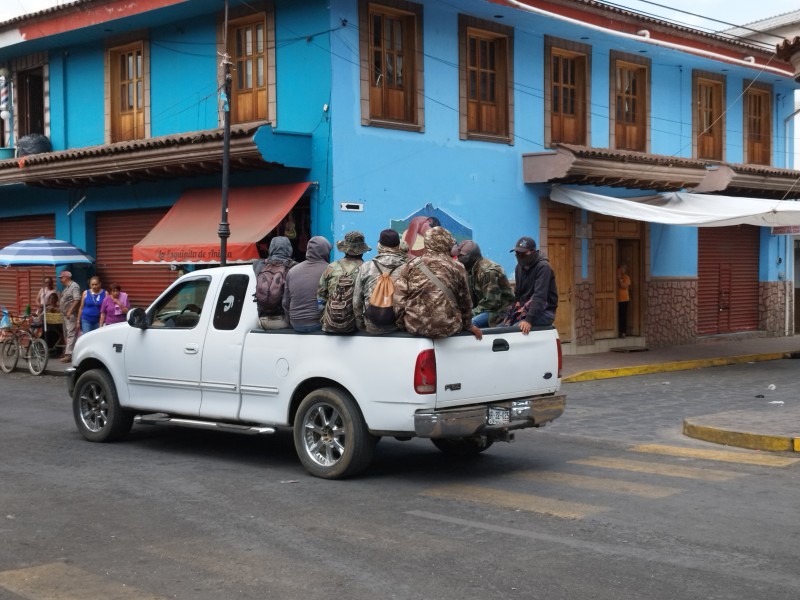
(737, 12)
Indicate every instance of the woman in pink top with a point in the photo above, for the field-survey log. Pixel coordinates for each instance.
(115, 306)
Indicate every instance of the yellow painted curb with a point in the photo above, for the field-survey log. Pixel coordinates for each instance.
(682, 365)
(753, 441)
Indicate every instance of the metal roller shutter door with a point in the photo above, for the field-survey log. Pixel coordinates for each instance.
(117, 232)
(728, 279)
(19, 285)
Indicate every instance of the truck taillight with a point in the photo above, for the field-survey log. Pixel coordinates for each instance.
(560, 359)
(425, 373)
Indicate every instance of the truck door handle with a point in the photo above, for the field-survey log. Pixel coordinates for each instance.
(499, 346)
(191, 348)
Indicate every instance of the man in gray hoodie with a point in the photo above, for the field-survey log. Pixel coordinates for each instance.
(300, 295)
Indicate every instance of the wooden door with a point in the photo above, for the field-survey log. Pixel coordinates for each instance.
(559, 253)
(605, 288)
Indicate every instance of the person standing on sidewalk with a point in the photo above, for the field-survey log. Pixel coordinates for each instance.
(91, 301)
(623, 298)
(68, 304)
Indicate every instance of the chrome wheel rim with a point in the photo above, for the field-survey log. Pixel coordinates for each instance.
(324, 435)
(93, 407)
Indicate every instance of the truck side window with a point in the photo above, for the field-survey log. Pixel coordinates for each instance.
(182, 306)
(230, 302)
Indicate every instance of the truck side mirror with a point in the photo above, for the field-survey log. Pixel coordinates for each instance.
(137, 317)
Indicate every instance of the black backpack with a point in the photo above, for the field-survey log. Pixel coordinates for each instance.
(269, 288)
(339, 316)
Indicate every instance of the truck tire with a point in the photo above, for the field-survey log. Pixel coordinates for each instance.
(330, 435)
(471, 446)
(96, 408)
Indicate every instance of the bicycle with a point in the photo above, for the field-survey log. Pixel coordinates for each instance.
(22, 340)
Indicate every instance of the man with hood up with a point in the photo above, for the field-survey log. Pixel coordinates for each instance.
(431, 296)
(300, 295)
(280, 256)
(491, 292)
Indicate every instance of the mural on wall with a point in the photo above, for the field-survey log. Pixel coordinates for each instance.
(412, 229)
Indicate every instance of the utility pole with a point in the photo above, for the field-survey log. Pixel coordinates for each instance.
(224, 229)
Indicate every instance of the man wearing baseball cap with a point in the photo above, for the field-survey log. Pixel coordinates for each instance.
(69, 303)
(535, 291)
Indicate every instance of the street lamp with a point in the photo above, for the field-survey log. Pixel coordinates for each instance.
(224, 231)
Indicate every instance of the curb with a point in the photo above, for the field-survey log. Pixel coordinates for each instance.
(682, 365)
(753, 441)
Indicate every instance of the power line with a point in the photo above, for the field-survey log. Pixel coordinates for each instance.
(699, 16)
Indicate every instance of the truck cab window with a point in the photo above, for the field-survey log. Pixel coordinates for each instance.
(181, 308)
(230, 302)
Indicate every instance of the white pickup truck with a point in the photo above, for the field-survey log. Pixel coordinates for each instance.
(197, 357)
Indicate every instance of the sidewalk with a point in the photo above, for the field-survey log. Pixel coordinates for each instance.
(755, 429)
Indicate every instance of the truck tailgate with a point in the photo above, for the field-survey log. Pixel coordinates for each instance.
(504, 364)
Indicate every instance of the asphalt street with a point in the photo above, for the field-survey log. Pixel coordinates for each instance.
(609, 502)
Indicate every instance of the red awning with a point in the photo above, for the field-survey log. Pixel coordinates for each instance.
(188, 233)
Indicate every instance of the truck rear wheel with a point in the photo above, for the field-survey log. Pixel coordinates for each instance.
(330, 435)
(96, 408)
(471, 446)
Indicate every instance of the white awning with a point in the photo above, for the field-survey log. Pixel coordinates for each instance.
(681, 208)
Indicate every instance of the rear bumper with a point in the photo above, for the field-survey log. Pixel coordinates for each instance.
(472, 420)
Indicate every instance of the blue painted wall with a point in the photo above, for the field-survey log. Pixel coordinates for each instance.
(393, 173)
(673, 251)
(183, 77)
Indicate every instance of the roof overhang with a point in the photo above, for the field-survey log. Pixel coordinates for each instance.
(580, 165)
(166, 157)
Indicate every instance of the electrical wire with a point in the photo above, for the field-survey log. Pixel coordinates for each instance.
(694, 14)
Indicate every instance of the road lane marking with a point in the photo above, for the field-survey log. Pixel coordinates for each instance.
(746, 458)
(657, 468)
(597, 484)
(59, 581)
(740, 566)
(514, 500)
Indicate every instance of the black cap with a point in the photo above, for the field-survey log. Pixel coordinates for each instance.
(389, 238)
(524, 244)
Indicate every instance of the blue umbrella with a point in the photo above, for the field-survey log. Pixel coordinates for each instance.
(42, 251)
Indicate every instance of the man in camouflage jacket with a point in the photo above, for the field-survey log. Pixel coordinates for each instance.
(390, 258)
(353, 246)
(421, 306)
(491, 292)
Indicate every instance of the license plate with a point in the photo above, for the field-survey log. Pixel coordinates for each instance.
(498, 416)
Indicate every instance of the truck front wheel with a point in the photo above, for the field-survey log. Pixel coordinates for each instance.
(330, 435)
(96, 408)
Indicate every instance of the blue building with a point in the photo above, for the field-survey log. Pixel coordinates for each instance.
(496, 119)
